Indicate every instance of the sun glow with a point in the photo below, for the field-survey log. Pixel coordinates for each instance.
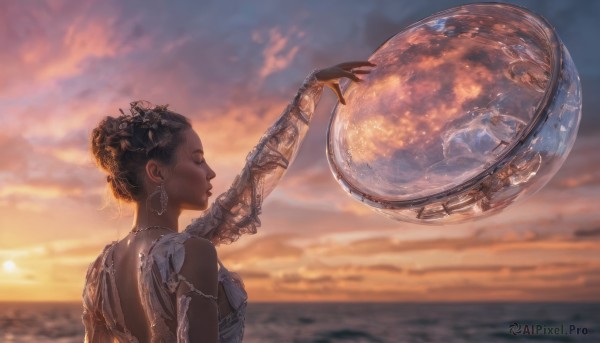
(9, 266)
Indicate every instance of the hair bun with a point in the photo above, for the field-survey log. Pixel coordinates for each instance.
(123, 145)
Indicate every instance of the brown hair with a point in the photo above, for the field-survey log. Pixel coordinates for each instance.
(121, 146)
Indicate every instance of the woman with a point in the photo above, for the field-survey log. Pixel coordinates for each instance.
(161, 285)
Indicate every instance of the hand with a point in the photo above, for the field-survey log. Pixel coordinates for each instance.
(330, 76)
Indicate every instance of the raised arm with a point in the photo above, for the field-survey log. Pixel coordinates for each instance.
(236, 211)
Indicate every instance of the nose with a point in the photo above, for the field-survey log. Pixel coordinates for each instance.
(211, 174)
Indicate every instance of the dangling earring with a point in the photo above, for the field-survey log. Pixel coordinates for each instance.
(163, 200)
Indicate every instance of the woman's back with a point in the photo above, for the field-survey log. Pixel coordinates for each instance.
(127, 263)
(167, 279)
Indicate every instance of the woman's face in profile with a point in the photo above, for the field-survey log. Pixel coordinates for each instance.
(189, 181)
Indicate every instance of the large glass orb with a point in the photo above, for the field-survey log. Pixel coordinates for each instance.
(467, 112)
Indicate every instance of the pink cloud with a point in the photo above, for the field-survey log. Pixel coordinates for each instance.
(277, 54)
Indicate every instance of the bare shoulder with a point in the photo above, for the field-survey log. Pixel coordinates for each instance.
(198, 248)
(197, 294)
(200, 264)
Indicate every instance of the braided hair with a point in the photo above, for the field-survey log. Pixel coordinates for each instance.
(122, 145)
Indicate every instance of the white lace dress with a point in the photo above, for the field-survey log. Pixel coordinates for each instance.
(232, 214)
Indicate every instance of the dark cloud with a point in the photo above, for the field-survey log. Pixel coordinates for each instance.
(355, 268)
(498, 239)
(254, 274)
(318, 282)
(585, 233)
(530, 271)
(471, 269)
(561, 287)
(295, 278)
(353, 278)
(384, 268)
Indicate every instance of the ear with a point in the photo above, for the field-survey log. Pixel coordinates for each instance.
(155, 171)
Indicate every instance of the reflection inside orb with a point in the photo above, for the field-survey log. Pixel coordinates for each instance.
(444, 116)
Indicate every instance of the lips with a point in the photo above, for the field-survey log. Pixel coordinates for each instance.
(209, 192)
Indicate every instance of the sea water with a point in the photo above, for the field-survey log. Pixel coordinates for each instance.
(350, 322)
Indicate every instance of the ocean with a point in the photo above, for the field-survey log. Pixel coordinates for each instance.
(350, 322)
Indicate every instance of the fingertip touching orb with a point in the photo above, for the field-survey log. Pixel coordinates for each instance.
(467, 112)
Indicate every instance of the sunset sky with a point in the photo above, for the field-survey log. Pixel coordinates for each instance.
(232, 66)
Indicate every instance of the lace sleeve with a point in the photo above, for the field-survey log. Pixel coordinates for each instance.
(236, 211)
(96, 330)
(94, 323)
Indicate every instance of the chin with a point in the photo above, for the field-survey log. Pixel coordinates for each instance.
(203, 206)
(197, 206)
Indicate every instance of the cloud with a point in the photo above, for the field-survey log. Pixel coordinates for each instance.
(67, 249)
(353, 268)
(58, 267)
(13, 153)
(500, 240)
(577, 289)
(471, 269)
(45, 49)
(580, 169)
(271, 247)
(585, 233)
(314, 218)
(250, 274)
(295, 278)
(277, 54)
(42, 170)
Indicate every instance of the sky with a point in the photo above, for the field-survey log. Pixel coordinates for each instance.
(232, 67)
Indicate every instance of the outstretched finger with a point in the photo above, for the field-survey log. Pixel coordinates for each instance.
(355, 64)
(350, 75)
(336, 88)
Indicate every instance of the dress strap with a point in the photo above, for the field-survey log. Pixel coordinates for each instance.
(195, 290)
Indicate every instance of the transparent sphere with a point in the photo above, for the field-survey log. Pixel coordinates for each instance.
(466, 112)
